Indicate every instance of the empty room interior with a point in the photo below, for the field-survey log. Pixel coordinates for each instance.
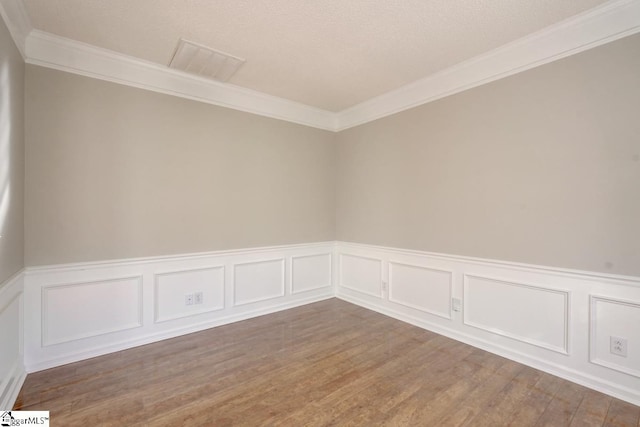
(334, 212)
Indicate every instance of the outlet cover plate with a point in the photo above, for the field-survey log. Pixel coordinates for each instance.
(618, 345)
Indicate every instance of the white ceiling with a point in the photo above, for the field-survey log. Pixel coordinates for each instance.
(330, 54)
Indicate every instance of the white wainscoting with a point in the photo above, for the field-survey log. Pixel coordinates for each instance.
(257, 281)
(421, 288)
(310, 272)
(172, 286)
(12, 372)
(77, 311)
(74, 311)
(361, 274)
(533, 314)
(556, 320)
(615, 318)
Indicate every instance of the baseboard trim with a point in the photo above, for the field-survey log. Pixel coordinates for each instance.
(11, 390)
(589, 381)
(152, 338)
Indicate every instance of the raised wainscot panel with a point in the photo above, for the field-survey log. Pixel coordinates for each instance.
(532, 314)
(9, 344)
(421, 288)
(172, 288)
(361, 274)
(258, 281)
(310, 272)
(613, 318)
(82, 310)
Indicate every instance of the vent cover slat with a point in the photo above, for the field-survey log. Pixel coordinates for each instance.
(204, 61)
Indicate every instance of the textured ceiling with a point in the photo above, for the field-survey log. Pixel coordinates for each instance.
(330, 54)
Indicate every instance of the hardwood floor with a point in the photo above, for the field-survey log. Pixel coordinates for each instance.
(325, 364)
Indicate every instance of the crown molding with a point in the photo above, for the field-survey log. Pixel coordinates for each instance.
(609, 22)
(63, 54)
(17, 21)
(604, 24)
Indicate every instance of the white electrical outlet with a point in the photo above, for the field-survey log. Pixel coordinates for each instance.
(198, 298)
(385, 286)
(188, 299)
(618, 346)
(456, 304)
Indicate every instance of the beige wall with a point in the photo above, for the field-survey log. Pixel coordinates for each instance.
(118, 172)
(542, 167)
(11, 156)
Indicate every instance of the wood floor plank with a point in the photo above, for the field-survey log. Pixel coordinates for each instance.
(536, 402)
(324, 364)
(593, 410)
(487, 385)
(448, 391)
(622, 414)
(499, 409)
(564, 405)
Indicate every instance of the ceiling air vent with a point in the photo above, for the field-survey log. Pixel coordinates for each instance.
(203, 61)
